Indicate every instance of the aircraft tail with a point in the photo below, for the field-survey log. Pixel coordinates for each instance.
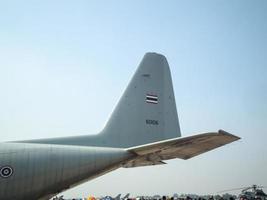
(145, 121)
(146, 112)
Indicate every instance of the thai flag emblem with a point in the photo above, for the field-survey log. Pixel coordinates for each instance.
(151, 98)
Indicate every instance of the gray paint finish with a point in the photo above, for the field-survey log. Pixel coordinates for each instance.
(48, 169)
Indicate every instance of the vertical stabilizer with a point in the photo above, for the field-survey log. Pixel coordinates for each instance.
(146, 112)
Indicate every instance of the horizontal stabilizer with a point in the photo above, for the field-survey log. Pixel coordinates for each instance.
(183, 148)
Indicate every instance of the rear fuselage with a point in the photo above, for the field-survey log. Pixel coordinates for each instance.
(33, 171)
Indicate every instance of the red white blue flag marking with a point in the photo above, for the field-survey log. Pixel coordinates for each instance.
(151, 98)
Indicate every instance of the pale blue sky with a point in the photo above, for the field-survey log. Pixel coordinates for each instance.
(65, 64)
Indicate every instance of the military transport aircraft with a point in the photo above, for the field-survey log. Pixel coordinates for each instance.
(142, 130)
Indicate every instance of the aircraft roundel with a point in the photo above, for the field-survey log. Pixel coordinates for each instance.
(6, 171)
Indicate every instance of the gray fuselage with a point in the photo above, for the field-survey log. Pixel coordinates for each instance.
(42, 170)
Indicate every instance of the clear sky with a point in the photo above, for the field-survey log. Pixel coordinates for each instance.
(65, 64)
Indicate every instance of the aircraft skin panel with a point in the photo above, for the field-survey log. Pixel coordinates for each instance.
(40, 170)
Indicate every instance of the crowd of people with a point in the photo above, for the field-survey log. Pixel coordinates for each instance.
(158, 197)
